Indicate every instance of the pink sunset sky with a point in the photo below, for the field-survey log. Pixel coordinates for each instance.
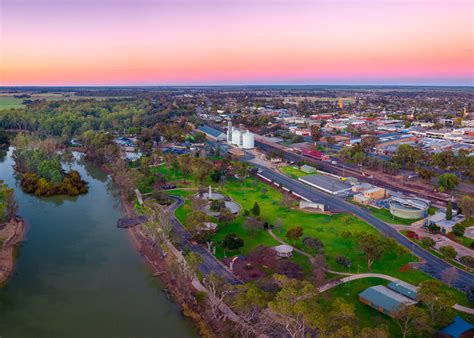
(200, 42)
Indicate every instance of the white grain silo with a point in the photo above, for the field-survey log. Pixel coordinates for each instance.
(248, 140)
(229, 132)
(236, 137)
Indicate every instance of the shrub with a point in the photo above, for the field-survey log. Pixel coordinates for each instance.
(412, 234)
(313, 243)
(246, 213)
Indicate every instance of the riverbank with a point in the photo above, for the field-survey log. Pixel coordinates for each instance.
(10, 236)
(161, 268)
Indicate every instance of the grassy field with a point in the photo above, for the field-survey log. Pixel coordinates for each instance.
(293, 172)
(367, 316)
(327, 228)
(9, 102)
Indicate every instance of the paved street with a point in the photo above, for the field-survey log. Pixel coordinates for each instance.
(210, 263)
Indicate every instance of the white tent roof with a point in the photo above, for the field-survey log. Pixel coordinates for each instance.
(284, 249)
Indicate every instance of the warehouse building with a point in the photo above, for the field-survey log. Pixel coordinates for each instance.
(212, 133)
(384, 300)
(327, 184)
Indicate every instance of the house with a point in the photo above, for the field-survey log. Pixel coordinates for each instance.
(384, 300)
(439, 220)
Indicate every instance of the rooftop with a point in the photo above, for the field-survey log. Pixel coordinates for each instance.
(326, 183)
(381, 296)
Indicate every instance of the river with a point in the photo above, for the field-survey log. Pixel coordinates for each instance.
(78, 275)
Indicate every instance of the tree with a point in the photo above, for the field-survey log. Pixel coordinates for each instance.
(439, 301)
(450, 275)
(218, 292)
(232, 242)
(226, 216)
(372, 246)
(319, 269)
(468, 261)
(184, 163)
(339, 321)
(412, 320)
(368, 142)
(256, 209)
(252, 224)
(242, 170)
(449, 211)
(287, 201)
(448, 251)
(448, 181)
(193, 261)
(315, 132)
(249, 301)
(295, 306)
(344, 261)
(467, 206)
(458, 230)
(294, 233)
(427, 242)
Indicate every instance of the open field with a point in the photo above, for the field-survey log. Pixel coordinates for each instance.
(293, 172)
(10, 102)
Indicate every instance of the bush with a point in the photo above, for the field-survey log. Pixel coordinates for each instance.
(344, 261)
(313, 244)
(412, 234)
(427, 242)
(294, 233)
(246, 213)
(448, 251)
(468, 261)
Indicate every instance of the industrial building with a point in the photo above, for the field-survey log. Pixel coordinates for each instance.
(408, 208)
(327, 184)
(212, 133)
(239, 138)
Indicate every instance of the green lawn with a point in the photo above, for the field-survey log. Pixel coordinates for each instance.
(9, 102)
(293, 172)
(367, 316)
(327, 228)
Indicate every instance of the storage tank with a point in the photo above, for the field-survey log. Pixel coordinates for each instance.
(236, 137)
(248, 140)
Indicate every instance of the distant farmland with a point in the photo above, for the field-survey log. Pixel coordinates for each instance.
(9, 102)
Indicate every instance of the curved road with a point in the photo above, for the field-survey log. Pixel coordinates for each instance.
(210, 263)
(433, 266)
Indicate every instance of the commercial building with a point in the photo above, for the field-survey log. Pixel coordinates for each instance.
(308, 169)
(375, 193)
(327, 184)
(404, 288)
(439, 220)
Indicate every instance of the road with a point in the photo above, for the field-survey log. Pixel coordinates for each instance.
(335, 169)
(433, 266)
(210, 263)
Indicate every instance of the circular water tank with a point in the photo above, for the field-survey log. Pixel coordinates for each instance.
(248, 140)
(236, 137)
